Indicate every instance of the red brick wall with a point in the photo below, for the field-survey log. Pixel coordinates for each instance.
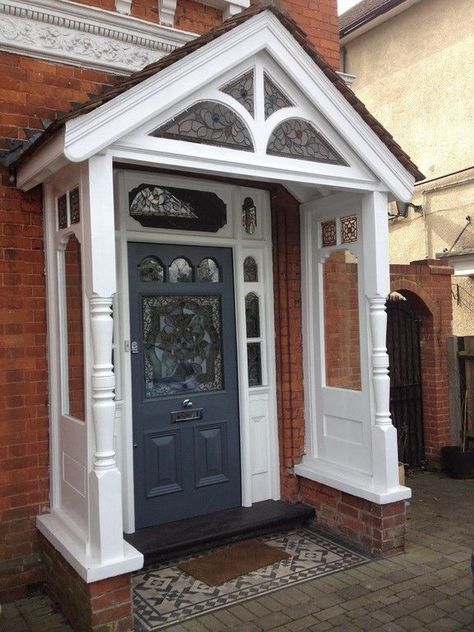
(289, 344)
(427, 286)
(103, 606)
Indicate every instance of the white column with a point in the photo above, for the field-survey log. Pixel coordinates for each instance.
(376, 290)
(105, 493)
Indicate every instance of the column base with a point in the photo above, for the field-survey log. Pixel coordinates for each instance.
(75, 552)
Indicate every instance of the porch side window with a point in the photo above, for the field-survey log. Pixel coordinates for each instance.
(73, 348)
(341, 320)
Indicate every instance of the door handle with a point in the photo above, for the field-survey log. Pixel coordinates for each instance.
(187, 403)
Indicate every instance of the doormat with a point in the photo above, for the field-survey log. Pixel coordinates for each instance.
(165, 595)
(226, 564)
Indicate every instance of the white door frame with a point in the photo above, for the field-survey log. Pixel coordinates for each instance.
(260, 471)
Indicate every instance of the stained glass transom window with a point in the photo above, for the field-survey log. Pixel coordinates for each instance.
(62, 212)
(274, 98)
(176, 208)
(182, 342)
(250, 270)
(150, 269)
(254, 364)
(242, 90)
(328, 233)
(208, 271)
(180, 271)
(210, 123)
(252, 315)
(297, 138)
(74, 206)
(349, 229)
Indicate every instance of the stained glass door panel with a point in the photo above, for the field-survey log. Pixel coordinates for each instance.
(184, 379)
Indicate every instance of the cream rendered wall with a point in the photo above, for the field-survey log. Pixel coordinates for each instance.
(415, 73)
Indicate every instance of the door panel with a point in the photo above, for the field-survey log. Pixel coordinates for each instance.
(184, 380)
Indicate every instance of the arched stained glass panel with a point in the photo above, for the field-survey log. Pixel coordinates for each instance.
(242, 90)
(297, 138)
(250, 270)
(208, 271)
(180, 271)
(209, 123)
(150, 269)
(252, 315)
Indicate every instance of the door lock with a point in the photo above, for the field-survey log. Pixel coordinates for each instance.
(134, 347)
(187, 403)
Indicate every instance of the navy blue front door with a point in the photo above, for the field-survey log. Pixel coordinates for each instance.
(184, 380)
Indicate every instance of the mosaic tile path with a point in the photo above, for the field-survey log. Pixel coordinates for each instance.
(165, 595)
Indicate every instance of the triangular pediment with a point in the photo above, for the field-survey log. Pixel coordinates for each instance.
(252, 103)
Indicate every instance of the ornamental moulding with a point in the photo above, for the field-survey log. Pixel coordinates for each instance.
(67, 32)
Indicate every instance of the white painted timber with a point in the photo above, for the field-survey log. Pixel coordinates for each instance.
(74, 33)
(350, 442)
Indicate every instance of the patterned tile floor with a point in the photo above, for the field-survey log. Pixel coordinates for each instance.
(426, 589)
(164, 594)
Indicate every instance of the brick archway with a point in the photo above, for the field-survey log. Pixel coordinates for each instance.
(427, 286)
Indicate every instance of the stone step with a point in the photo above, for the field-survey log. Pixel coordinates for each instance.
(183, 537)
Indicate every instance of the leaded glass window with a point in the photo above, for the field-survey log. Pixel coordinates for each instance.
(250, 270)
(176, 208)
(242, 90)
(328, 233)
(249, 216)
(348, 229)
(297, 138)
(254, 364)
(150, 269)
(180, 271)
(210, 123)
(182, 342)
(208, 271)
(74, 206)
(252, 315)
(62, 211)
(274, 98)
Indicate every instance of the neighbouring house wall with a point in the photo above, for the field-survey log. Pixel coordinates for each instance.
(414, 72)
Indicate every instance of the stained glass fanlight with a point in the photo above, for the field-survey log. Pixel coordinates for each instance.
(297, 138)
(210, 123)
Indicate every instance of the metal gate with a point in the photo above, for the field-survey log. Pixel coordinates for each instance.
(406, 407)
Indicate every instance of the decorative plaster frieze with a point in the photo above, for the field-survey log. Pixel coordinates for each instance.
(69, 32)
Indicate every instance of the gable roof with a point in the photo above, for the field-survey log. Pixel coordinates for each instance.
(124, 84)
(363, 13)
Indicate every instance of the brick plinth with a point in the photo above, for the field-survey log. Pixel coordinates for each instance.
(378, 529)
(103, 606)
